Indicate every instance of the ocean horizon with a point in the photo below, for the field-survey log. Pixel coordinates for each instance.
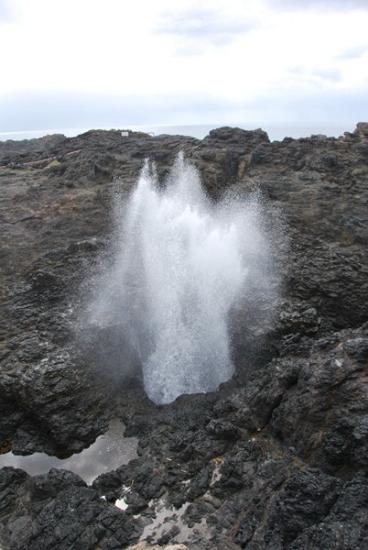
(198, 131)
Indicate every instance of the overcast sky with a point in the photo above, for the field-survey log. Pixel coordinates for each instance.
(89, 63)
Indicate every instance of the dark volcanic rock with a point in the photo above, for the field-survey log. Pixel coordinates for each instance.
(58, 510)
(277, 457)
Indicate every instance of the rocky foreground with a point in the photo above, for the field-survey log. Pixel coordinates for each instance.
(278, 457)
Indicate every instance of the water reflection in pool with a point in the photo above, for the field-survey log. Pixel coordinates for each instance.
(107, 453)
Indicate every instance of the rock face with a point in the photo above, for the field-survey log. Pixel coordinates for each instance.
(277, 458)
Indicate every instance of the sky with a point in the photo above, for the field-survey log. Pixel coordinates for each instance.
(94, 63)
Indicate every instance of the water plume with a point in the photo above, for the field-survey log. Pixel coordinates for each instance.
(178, 265)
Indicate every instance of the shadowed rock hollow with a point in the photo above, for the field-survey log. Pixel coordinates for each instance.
(277, 457)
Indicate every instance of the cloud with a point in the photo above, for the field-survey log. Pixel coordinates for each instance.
(197, 61)
(320, 5)
(196, 29)
(328, 74)
(6, 11)
(355, 52)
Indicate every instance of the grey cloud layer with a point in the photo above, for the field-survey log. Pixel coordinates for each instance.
(47, 110)
(276, 107)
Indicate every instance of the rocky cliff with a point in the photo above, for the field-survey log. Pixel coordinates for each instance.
(277, 458)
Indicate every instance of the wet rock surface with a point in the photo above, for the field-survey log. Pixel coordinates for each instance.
(277, 458)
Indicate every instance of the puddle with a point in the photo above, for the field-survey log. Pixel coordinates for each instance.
(107, 453)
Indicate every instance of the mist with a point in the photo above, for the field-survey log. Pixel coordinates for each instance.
(177, 265)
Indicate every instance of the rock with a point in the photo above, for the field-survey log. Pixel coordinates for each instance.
(277, 457)
(361, 129)
(238, 136)
(222, 430)
(146, 546)
(58, 509)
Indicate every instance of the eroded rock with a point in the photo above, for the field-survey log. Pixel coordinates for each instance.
(277, 458)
